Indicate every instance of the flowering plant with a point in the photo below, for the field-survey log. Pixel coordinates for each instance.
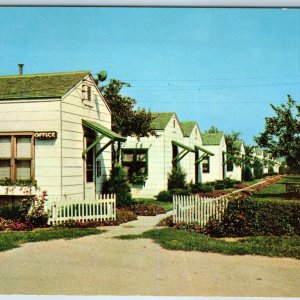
(37, 215)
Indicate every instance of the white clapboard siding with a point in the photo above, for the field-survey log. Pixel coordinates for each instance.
(194, 209)
(75, 208)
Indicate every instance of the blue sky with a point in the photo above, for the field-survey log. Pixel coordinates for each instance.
(220, 67)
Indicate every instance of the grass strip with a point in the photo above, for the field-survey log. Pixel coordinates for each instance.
(10, 240)
(174, 239)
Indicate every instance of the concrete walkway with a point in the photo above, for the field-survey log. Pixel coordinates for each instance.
(102, 265)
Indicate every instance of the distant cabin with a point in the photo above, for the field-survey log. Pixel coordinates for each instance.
(214, 167)
(193, 161)
(55, 129)
(154, 157)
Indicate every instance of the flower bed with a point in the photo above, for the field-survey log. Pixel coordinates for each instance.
(147, 209)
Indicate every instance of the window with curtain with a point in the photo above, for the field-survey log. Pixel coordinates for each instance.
(205, 165)
(16, 157)
(135, 161)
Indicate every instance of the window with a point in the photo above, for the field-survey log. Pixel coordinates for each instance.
(205, 165)
(135, 161)
(16, 156)
(86, 92)
(229, 166)
(174, 123)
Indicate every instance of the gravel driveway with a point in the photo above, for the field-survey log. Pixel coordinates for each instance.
(101, 265)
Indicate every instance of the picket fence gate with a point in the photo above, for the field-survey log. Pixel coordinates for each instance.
(195, 209)
(100, 208)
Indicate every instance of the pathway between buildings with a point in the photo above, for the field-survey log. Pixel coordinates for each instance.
(102, 265)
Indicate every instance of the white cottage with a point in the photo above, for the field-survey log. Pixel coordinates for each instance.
(260, 154)
(234, 171)
(55, 128)
(192, 163)
(154, 157)
(214, 167)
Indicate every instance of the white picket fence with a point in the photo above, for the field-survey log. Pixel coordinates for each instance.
(194, 209)
(100, 208)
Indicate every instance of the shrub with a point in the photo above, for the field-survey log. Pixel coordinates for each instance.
(147, 209)
(271, 170)
(245, 217)
(247, 173)
(283, 169)
(164, 196)
(229, 183)
(219, 185)
(184, 192)
(118, 184)
(168, 221)
(15, 225)
(177, 179)
(201, 188)
(124, 216)
(258, 169)
(11, 211)
(37, 215)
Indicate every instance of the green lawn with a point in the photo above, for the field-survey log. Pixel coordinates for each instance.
(252, 181)
(166, 205)
(174, 239)
(10, 240)
(276, 191)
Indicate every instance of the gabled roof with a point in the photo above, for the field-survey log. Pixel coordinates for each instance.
(237, 145)
(36, 86)
(187, 127)
(161, 119)
(211, 138)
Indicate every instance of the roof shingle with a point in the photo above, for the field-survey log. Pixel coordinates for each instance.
(187, 127)
(211, 138)
(34, 86)
(161, 119)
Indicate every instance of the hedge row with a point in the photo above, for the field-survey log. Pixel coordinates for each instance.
(246, 217)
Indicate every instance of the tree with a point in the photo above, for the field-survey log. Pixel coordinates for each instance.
(212, 129)
(126, 120)
(118, 184)
(282, 134)
(258, 169)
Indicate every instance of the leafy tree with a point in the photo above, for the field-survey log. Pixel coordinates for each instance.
(126, 120)
(212, 129)
(282, 133)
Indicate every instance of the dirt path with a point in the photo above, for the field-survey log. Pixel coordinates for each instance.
(101, 265)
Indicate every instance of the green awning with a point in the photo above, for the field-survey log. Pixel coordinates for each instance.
(183, 153)
(189, 149)
(204, 150)
(103, 130)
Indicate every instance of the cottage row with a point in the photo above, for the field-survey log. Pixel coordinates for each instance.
(56, 129)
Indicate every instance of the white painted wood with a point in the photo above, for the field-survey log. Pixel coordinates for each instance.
(101, 208)
(194, 209)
